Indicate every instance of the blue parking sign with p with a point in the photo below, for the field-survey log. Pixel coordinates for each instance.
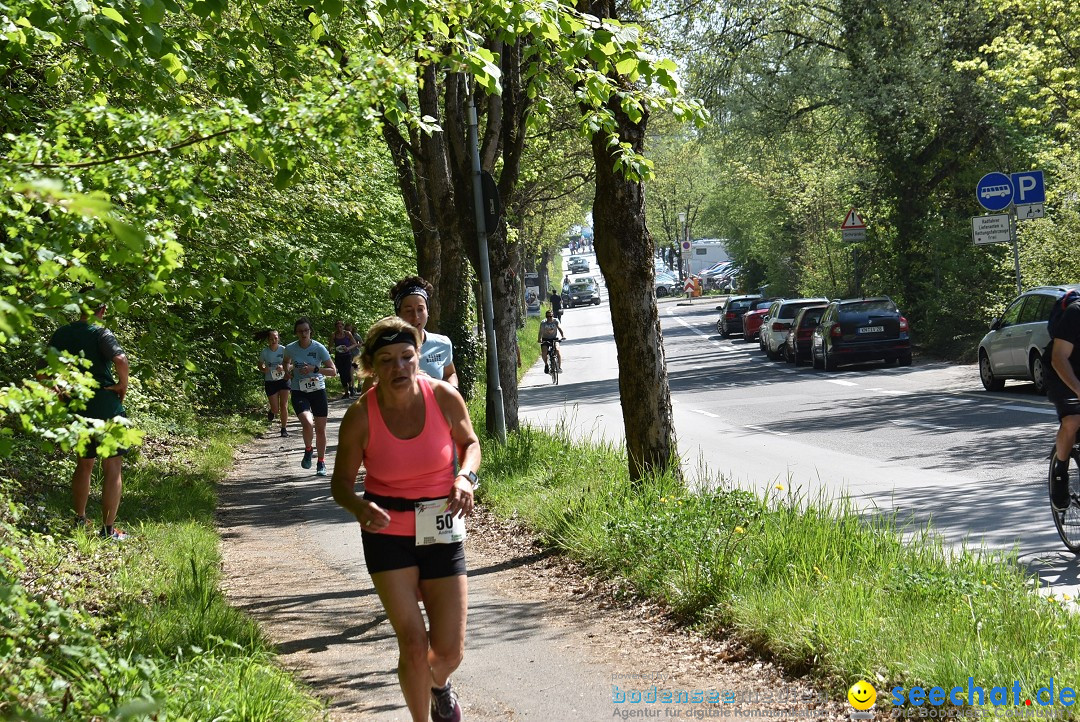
(994, 192)
(1028, 187)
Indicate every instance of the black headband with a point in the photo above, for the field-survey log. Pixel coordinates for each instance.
(410, 291)
(388, 339)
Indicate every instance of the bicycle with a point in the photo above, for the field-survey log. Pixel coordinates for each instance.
(1068, 521)
(553, 362)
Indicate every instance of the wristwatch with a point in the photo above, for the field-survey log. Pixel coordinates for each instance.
(471, 476)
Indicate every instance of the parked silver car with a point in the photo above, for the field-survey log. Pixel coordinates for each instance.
(1013, 348)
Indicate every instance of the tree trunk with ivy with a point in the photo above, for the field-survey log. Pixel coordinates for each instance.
(624, 249)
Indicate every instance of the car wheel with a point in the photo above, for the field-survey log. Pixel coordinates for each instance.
(827, 361)
(596, 302)
(661, 291)
(905, 359)
(720, 327)
(761, 342)
(990, 382)
(798, 359)
(814, 357)
(1038, 373)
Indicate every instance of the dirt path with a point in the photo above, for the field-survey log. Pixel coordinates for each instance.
(544, 641)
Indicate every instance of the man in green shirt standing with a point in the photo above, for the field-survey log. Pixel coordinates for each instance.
(98, 345)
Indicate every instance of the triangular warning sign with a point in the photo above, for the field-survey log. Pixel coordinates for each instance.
(853, 220)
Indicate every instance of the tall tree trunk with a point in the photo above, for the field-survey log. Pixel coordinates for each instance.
(624, 248)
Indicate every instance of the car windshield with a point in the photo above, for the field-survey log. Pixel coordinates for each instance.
(811, 318)
(878, 305)
(580, 288)
(738, 305)
(789, 310)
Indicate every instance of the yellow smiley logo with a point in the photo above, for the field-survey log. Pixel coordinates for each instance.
(862, 695)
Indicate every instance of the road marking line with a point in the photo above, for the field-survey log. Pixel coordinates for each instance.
(1032, 409)
(706, 413)
(841, 382)
(891, 392)
(765, 431)
(787, 371)
(904, 422)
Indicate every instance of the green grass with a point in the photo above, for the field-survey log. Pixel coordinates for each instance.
(811, 584)
(126, 631)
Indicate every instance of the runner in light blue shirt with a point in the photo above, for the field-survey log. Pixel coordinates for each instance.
(436, 354)
(308, 363)
(272, 365)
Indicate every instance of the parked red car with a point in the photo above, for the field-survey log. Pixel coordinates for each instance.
(752, 318)
(797, 344)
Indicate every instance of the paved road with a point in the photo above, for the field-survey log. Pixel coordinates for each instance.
(925, 440)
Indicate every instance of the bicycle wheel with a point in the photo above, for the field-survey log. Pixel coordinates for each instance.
(1068, 521)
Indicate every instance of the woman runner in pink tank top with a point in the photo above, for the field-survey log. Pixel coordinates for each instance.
(404, 431)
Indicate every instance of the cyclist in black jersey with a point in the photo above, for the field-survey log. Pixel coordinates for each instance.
(1063, 389)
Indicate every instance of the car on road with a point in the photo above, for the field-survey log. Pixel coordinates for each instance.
(797, 344)
(582, 294)
(1013, 347)
(778, 320)
(666, 284)
(751, 320)
(577, 264)
(861, 329)
(730, 320)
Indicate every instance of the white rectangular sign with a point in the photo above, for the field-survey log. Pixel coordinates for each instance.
(1029, 211)
(991, 229)
(854, 234)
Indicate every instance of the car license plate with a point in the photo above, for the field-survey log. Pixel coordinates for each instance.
(871, 329)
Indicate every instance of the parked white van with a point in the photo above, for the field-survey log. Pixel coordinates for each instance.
(704, 253)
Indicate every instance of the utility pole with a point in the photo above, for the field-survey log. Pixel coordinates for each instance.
(496, 414)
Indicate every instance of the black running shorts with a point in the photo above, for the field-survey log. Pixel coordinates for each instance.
(1063, 398)
(313, 401)
(273, 387)
(387, 552)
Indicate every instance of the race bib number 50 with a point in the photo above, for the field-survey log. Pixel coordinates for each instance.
(435, 525)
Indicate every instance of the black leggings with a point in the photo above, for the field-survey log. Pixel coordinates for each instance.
(343, 361)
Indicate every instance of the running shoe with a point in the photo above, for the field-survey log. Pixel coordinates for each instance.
(306, 463)
(269, 416)
(81, 522)
(115, 534)
(444, 705)
(320, 469)
(1059, 485)
(284, 432)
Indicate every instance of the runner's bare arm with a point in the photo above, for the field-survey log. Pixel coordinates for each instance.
(450, 375)
(120, 362)
(452, 405)
(352, 440)
(1060, 361)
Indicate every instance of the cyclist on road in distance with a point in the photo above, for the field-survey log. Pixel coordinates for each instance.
(548, 335)
(1063, 389)
(556, 303)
